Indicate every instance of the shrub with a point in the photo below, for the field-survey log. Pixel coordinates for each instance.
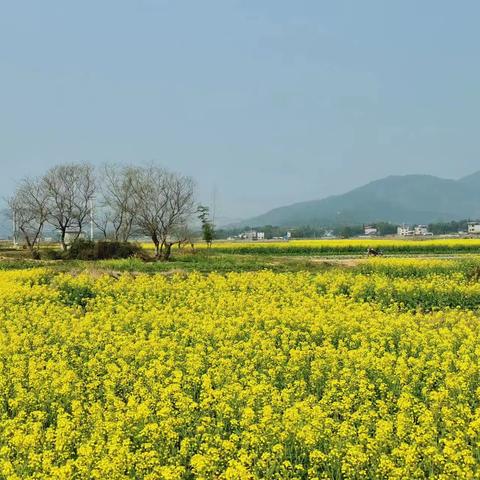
(105, 250)
(51, 254)
(80, 249)
(102, 250)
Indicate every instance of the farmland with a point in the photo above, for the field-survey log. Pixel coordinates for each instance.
(239, 240)
(297, 370)
(352, 246)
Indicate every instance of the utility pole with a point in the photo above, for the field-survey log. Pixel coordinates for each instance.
(14, 228)
(91, 219)
(214, 206)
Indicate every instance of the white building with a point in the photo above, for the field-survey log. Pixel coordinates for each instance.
(474, 227)
(369, 230)
(404, 230)
(421, 230)
(252, 235)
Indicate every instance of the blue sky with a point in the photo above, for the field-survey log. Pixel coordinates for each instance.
(268, 101)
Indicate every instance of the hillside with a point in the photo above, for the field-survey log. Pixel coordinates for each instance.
(398, 199)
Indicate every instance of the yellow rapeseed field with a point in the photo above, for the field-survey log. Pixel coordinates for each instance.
(369, 373)
(348, 246)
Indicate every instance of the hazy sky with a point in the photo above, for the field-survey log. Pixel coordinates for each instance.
(269, 101)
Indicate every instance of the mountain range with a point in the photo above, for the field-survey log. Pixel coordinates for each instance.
(397, 199)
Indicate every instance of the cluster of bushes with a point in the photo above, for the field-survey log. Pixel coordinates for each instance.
(88, 250)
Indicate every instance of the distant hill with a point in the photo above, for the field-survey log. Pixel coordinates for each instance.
(397, 199)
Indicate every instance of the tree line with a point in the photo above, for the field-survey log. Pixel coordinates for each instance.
(342, 231)
(308, 231)
(119, 201)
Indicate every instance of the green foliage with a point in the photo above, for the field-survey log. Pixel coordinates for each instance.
(214, 262)
(348, 231)
(104, 250)
(101, 250)
(208, 229)
(385, 228)
(71, 294)
(80, 249)
(51, 254)
(441, 228)
(18, 265)
(208, 233)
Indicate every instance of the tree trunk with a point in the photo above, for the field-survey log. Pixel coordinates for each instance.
(167, 251)
(62, 240)
(29, 243)
(31, 246)
(156, 242)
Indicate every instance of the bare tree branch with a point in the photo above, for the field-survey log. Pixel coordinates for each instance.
(70, 189)
(29, 208)
(117, 199)
(162, 202)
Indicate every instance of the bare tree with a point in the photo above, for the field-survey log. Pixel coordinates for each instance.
(117, 200)
(184, 235)
(29, 209)
(102, 219)
(163, 201)
(70, 189)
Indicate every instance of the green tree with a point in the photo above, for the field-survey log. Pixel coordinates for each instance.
(208, 229)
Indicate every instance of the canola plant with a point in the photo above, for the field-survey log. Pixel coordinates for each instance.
(353, 246)
(364, 373)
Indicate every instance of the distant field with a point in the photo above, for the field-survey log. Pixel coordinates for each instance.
(225, 256)
(351, 246)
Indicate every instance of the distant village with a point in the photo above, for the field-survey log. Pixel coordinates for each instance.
(255, 235)
(404, 230)
(473, 228)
